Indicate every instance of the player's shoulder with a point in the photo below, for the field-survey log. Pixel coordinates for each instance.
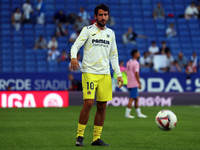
(109, 30)
(89, 27)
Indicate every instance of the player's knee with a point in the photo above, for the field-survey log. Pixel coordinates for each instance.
(88, 104)
(101, 108)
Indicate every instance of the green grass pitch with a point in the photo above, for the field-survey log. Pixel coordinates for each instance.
(55, 129)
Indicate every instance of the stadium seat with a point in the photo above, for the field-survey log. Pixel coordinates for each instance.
(7, 68)
(42, 69)
(145, 70)
(18, 69)
(30, 69)
(41, 63)
(18, 45)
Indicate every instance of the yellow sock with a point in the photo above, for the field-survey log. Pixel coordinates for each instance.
(97, 132)
(81, 129)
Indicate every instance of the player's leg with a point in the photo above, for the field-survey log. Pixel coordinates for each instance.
(99, 119)
(138, 110)
(132, 96)
(128, 108)
(104, 94)
(88, 95)
(83, 119)
(84, 114)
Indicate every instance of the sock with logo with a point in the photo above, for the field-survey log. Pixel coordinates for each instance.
(81, 129)
(128, 111)
(138, 111)
(97, 132)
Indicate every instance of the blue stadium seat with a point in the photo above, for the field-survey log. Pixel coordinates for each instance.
(17, 39)
(53, 64)
(41, 63)
(6, 51)
(18, 62)
(7, 69)
(29, 62)
(30, 57)
(53, 69)
(30, 69)
(28, 26)
(145, 69)
(18, 51)
(18, 57)
(18, 69)
(42, 69)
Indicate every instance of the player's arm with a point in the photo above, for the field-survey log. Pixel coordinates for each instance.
(82, 38)
(114, 61)
(138, 79)
(137, 76)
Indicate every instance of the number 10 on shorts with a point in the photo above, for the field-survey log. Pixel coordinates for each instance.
(90, 85)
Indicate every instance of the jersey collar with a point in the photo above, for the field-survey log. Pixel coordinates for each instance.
(98, 28)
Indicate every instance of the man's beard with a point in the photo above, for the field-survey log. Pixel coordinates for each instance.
(101, 25)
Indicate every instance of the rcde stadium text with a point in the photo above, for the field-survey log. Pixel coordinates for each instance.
(28, 84)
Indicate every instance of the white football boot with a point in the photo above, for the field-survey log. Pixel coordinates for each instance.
(142, 116)
(130, 116)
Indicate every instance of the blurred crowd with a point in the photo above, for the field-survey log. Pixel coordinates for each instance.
(180, 63)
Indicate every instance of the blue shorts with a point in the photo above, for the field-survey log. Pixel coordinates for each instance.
(133, 92)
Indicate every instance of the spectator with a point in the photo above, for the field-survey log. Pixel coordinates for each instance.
(16, 19)
(164, 49)
(191, 11)
(41, 12)
(170, 32)
(60, 16)
(123, 71)
(194, 58)
(53, 54)
(159, 12)
(83, 14)
(9, 88)
(145, 60)
(190, 68)
(40, 43)
(175, 67)
(52, 42)
(80, 64)
(74, 36)
(111, 21)
(170, 60)
(61, 30)
(80, 23)
(121, 66)
(64, 56)
(198, 8)
(182, 61)
(74, 85)
(71, 18)
(130, 36)
(153, 49)
(27, 11)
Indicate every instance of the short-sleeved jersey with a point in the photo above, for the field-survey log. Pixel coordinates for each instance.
(99, 49)
(132, 67)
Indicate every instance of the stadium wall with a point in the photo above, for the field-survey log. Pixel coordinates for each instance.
(151, 82)
(32, 99)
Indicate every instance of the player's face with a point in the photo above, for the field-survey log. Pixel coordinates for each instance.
(101, 17)
(138, 55)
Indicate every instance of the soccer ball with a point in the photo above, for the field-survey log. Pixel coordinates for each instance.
(166, 120)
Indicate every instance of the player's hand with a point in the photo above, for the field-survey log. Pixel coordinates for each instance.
(120, 81)
(74, 64)
(140, 87)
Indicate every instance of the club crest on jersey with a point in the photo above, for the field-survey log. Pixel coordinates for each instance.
(89, 92)
(107, 35)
